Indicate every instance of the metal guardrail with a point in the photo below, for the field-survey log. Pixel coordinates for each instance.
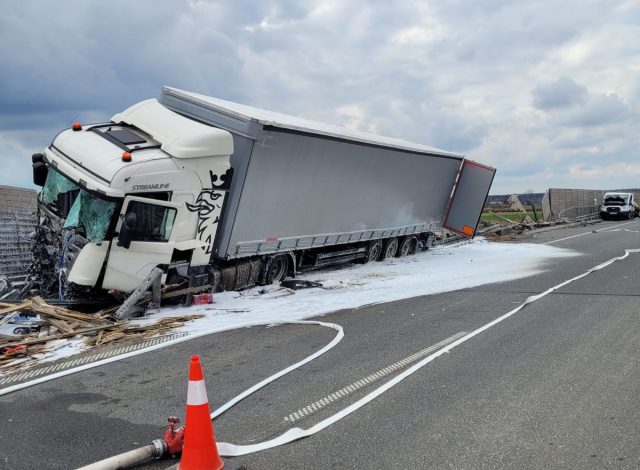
(579, 211)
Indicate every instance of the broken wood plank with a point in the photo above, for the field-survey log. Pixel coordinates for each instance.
(14, 308)
(49, 311)
(40, 304)
(61, 325)
(44, 339)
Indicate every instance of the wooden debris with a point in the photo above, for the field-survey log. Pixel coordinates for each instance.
(16, 307)
(56, 322)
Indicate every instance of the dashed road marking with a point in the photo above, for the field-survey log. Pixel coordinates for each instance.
(18, 377)
(587, 233)
(368, 380)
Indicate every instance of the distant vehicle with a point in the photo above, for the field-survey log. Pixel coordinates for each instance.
(619, 206)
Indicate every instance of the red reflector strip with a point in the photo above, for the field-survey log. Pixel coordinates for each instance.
(467, 230)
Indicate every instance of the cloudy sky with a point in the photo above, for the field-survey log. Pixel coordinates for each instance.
(548, 91)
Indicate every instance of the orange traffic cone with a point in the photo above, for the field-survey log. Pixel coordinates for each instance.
(199, 451)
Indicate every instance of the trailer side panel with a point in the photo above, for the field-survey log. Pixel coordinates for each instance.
(303, 191)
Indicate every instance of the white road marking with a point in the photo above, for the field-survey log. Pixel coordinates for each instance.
(586, 233)
(372, 378)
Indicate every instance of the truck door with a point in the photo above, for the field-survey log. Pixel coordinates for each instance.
(150, 240)
(468, 198)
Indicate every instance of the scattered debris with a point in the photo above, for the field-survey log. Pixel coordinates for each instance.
(201, 299)
(510, 230)
(296, 284)
(35, 327)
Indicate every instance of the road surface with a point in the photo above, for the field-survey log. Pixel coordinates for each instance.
(553, 386)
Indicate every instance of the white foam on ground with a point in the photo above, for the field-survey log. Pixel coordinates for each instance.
(441, 269)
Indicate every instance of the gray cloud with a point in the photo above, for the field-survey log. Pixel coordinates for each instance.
(488, 78)
(560, 93)
(601, 110)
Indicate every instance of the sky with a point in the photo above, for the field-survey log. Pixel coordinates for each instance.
(547, 92)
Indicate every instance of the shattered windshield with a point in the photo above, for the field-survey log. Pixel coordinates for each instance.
(59, 193)
(79, 207)
(92, 213)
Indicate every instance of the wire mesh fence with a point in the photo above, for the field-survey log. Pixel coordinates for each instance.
(17, 222)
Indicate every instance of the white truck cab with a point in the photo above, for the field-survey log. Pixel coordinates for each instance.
(619, 206)
(136, 187)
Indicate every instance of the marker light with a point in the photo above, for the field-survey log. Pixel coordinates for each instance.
(126, 157)
(76, 126)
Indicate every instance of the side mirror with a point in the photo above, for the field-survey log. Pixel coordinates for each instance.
(127, 229)
(40, 170)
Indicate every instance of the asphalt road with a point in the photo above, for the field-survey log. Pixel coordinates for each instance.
(554, 386)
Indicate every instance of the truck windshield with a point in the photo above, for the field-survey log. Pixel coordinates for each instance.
(59, 193)
(78, 207)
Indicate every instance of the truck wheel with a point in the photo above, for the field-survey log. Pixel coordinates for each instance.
(391, 249)
(405, 247)
(374, 251)
(229, 275)
(277, 269)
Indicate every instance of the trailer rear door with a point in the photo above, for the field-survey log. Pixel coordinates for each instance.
(469, 196)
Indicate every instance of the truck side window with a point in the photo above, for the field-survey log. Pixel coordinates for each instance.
(152, 223)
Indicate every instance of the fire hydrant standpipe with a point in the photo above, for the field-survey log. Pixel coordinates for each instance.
(172, 442)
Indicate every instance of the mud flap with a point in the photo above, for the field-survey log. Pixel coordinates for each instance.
(468, 198)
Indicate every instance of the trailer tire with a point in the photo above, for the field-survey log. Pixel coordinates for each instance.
(374, 251)
(391, 248)
(229, 275)
(277, 269)
(405, 247)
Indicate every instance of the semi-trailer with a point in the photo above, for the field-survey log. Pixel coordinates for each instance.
(218, 194)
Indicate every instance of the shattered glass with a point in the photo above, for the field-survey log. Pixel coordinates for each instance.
(56, 184)
(92, 213)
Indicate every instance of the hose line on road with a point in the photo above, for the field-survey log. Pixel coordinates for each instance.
(119, 357)
(139, 455)
(126, 459)
(277, 375)
(233, 450)
(293, 434)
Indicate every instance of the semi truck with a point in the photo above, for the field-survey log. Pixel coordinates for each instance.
(224, 196)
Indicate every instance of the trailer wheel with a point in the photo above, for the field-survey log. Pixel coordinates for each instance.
(405, 247)
(391, 249)
(229, 275)
(278, 268)
(374, 251)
